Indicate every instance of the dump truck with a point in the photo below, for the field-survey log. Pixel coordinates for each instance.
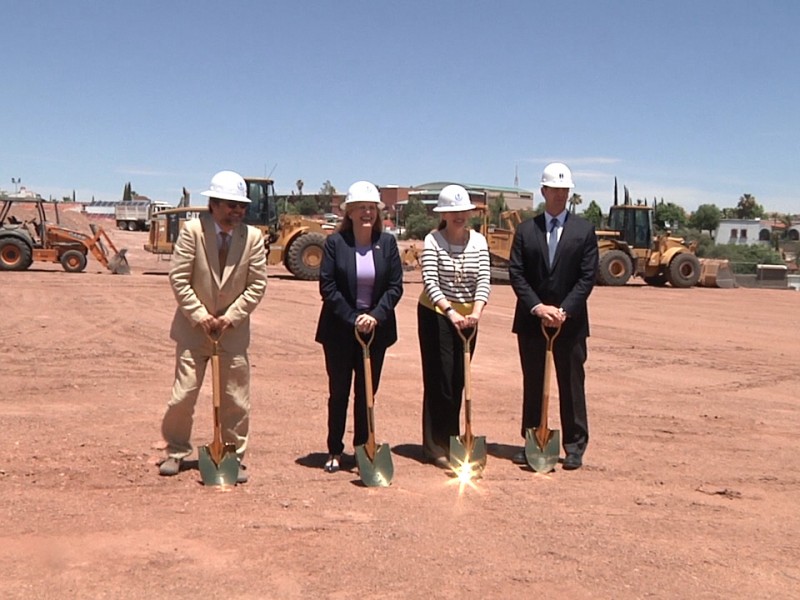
(293, 241)
(136, 215)
(40, 236)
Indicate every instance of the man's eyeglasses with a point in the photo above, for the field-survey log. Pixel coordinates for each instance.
(231, 204)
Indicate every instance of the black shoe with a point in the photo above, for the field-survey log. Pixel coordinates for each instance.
(519, 458)
(332, 465)
(572, 462)
(169, 467)
(242, 477)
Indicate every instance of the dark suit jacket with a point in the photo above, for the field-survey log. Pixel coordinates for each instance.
(337, 285)
(567, 283)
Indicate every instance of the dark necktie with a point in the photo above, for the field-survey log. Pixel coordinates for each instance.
(552, 243)
(223, 249)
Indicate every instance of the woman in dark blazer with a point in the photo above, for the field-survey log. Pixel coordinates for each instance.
(361, 282)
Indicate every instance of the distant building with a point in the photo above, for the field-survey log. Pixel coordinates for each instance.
(480, 195)
(742, 232)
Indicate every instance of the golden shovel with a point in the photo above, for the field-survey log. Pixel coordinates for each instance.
(374, 461)
(467, 451)
(218, 462)
(542, 444)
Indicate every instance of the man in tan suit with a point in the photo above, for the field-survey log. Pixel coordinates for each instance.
(219, 275)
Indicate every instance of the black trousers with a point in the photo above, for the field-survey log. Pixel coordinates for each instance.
(569, 356)
(442, 354)
(342, 361)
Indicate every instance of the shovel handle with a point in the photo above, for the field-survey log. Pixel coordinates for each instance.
(466, 339)
(550, 338)
(365, 343)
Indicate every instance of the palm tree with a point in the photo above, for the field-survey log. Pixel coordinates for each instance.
(299, 187)
(574, 201)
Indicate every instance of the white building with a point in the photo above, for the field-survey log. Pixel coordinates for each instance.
(742, 231)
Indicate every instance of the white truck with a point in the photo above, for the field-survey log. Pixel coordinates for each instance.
(136, 214)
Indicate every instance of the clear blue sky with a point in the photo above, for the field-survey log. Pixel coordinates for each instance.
(693, 101)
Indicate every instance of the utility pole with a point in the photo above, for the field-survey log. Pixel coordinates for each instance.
(16, 181)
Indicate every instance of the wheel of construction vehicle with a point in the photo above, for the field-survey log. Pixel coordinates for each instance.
(684, 270)
(305, 256)
(122, 225)
(15, 255)
(132, 226)
(73, 261)
(615, 268)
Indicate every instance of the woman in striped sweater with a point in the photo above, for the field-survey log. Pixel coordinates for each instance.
(455, 277)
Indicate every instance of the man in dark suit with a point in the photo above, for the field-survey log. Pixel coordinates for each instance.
(552, 268)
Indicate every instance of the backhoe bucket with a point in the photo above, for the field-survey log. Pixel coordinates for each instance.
(716, 273)
(118, 264)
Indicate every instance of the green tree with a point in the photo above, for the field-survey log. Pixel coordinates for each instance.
(326, 193)
(539, 208)
(126, 193)
(574, 201)
(668, 216)
(705, 218)
(307, 205)
(497, 206)
(417, 222)
(594, 214)
(744, 258)
(786, 220)
(748, 208)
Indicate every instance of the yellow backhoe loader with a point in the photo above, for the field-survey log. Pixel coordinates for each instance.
(36, 238)
(626, 248)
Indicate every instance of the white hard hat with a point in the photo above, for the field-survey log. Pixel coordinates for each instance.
(453, 198)
(227, 185)
(362, 191)
(557, 175)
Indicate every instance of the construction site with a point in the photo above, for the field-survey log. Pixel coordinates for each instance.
(689, 487)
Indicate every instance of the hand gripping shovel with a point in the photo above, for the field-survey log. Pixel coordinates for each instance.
(217, 462)
(467, 449)
(374, 462)
(542, 445)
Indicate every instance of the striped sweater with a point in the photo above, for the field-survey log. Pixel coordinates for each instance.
(459, 273)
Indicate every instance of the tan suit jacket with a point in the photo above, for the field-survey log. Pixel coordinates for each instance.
(202, 286)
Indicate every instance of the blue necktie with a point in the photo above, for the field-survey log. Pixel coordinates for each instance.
(552, 243)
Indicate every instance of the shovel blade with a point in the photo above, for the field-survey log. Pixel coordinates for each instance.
(377, 472)
(461, 454)
(118, 265)
(222, 472)
(542, 459)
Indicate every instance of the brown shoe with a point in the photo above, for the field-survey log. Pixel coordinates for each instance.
(169, 467)
(442, 462)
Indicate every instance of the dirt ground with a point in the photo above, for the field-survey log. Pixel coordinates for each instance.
(690, 489)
